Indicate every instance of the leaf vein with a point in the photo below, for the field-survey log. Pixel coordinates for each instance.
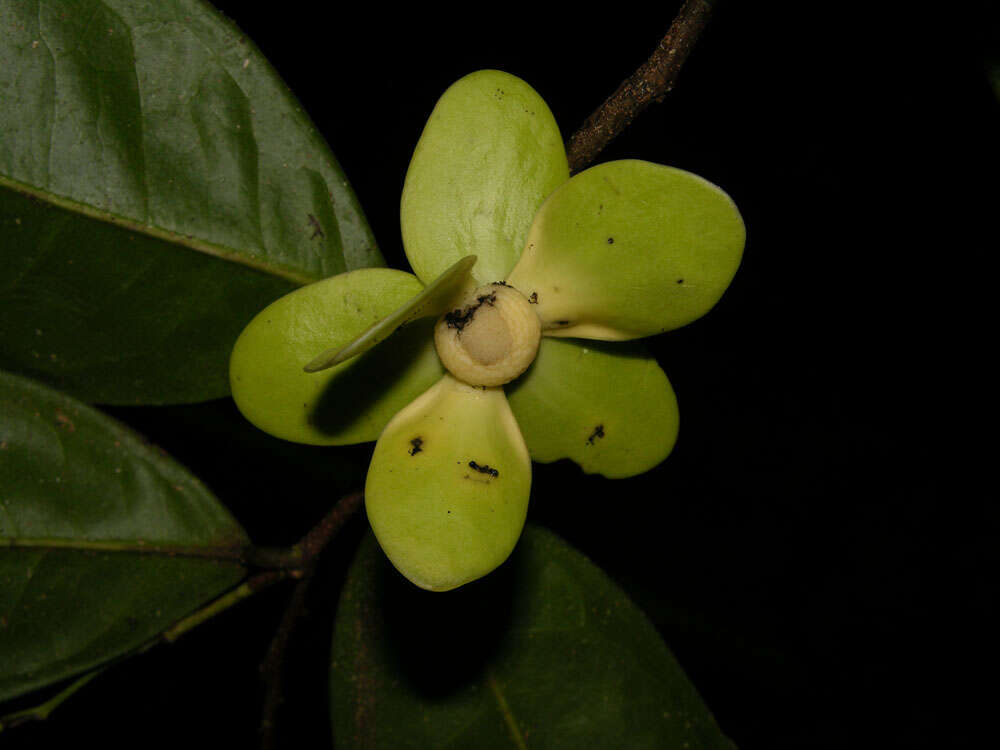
(233, 553)
(212, 249)
(508, 716)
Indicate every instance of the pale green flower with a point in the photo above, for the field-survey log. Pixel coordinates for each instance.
(623, 250)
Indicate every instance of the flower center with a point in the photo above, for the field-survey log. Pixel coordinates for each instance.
(490, 338)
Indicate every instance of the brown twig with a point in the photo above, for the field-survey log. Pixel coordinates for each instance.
(320, 535)
(301, 556)
(308, 550)
(272, 668)
(649, 83)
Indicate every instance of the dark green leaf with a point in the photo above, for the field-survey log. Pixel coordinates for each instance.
(104, 541)
(546, 652)
(159, 185)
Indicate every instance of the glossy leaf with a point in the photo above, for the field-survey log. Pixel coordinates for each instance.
(348, 403)
(104, 541)
(434, 300)
(607, 406)
(488, 157)
(629, 249)
(545, 653)
(158, 186)
(447, 490)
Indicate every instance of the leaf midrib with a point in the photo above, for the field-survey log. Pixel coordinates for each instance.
(232, 553)
(222, 252)
(508, 716)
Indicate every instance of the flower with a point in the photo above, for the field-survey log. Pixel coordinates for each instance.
(536, 282)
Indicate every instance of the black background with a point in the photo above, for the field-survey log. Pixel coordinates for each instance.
(813, 551)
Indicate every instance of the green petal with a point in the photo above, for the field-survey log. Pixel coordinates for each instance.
(349, 403)
(434, 300)
(448, 485)
(488, 157)
(628, 249)
(609, 407)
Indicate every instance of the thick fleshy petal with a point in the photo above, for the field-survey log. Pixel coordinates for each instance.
(447, 490)
(606, 406)
(349, 403)
(436, 298)
(488, 157)
(629, 249)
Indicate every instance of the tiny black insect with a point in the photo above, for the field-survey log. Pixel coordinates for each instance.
(597, 433)
(483, 469)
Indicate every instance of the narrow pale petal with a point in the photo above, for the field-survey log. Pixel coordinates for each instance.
(606, 406)
(448, 485)
(629, 249)
(488, 157)
(435, 299)
(348, 403)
